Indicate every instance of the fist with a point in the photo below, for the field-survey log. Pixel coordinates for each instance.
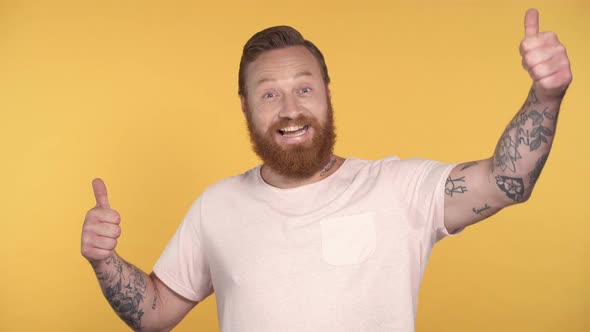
(101, 227)
(545, 58)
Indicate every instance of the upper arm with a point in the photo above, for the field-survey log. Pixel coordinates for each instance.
(471, 195)
(171, 307)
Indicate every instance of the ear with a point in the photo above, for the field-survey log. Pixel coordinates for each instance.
(243, 104)
(329, 93)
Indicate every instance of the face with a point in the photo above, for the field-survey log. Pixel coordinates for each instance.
(288, 111)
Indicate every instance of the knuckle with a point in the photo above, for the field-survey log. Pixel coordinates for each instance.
(549, 35)
(85, 239)
(91, 214)
(93, 217)
(529, 58)
(529, 44)
(560, 49)
(538, 70)
(88, 253)
(567, 77)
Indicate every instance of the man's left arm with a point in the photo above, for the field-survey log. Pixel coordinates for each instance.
(476, 190)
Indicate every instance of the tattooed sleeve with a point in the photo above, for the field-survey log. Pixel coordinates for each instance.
(125, 290)
(523, 148)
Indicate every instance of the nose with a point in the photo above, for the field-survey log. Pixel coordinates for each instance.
(290, 108)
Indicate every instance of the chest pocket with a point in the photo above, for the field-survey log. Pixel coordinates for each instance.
(348, 240)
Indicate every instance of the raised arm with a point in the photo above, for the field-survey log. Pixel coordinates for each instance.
(476, 190)
(142, 301)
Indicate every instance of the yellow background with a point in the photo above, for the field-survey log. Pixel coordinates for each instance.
(143, 94)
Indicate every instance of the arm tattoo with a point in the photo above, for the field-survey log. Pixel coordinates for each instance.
(451, 186)
(124, 292)
(466, 166)
(506, 153)
(539, 133)
(525, 129)
(534, 174)
(513, 187)
(480, 210)
(155, 298)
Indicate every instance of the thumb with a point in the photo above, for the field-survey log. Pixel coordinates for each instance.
(531, 22)
(100, 193)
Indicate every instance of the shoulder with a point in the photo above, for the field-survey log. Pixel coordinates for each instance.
(356, 164)
(415, 165)
(233, 185)
(394, 164)
(412, 170)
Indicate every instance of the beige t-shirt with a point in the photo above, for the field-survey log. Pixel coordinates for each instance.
(343, 254)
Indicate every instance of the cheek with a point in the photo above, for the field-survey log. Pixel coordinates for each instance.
(260, 120)
(320, 109)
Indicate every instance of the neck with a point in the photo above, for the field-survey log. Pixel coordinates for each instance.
(285, 182)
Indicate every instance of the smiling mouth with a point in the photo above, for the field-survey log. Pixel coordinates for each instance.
(293, 131)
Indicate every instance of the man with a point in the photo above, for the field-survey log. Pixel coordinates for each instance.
(310, 241)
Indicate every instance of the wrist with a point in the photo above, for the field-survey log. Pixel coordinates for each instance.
(96, 264)
(552, 97)
(99, 264)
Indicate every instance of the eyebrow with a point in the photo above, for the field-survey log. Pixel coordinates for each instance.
(300, 74)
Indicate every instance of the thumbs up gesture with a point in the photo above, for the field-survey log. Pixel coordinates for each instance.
(545, 58)
(101, 226)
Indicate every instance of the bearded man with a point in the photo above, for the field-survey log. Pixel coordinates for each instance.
(310, 241)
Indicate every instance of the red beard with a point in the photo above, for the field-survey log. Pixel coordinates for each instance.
(301, 160)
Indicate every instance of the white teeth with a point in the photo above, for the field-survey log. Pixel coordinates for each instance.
(299, 133)
(291, 129)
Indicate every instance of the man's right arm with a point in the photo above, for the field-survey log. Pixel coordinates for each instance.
(142, 301)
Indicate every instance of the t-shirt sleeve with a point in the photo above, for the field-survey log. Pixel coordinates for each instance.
(424, 195)
(183, 266)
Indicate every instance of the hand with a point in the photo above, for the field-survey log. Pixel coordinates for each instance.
(101, 227)
(545, 58)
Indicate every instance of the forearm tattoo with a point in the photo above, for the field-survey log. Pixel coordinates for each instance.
(526, 129)
(534, 174)
(125, 290)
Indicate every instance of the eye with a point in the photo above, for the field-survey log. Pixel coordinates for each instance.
(269, 95)
(306, 90)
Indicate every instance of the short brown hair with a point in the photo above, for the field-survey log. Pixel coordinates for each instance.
(275, 38)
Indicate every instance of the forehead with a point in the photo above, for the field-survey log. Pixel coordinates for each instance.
(281, 63)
